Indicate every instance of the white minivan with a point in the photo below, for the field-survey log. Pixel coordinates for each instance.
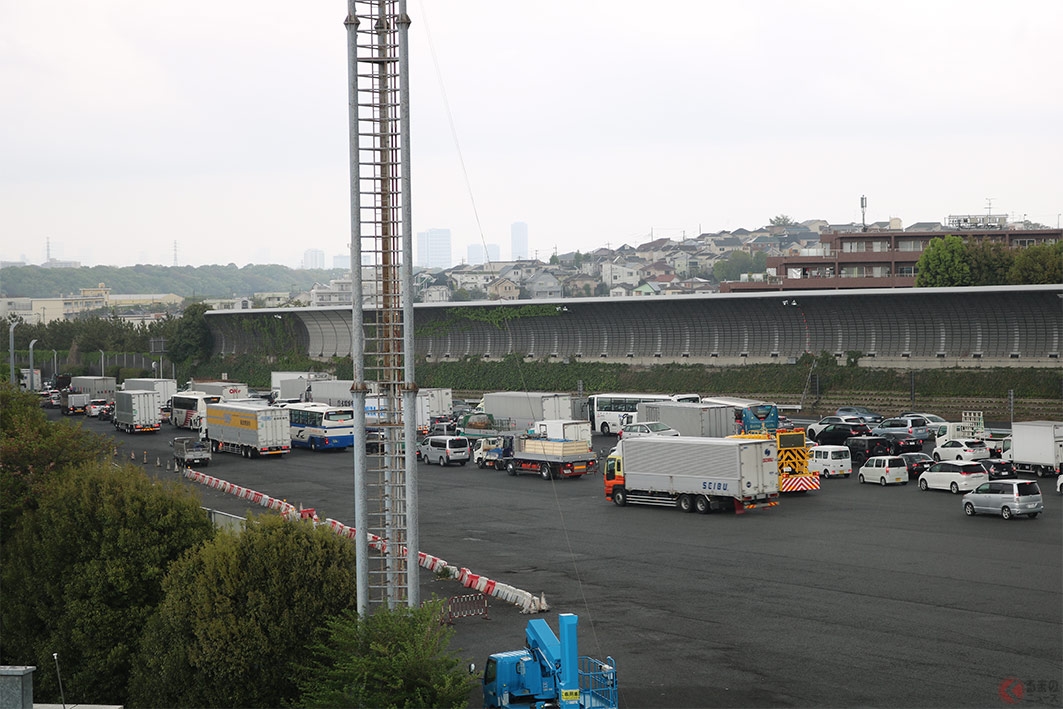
(831, 461)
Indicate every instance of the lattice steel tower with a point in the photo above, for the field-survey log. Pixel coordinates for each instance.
(385, 505)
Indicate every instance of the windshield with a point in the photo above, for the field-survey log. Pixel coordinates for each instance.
(657, 426)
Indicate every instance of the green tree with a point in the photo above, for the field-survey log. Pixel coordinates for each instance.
(83, 572)
(989, 262)
(943, 264)
(33, 450)
(394, 658)
(781, 220)
(554, 260)
(191, 340)
(1040, 263)
(238, 614)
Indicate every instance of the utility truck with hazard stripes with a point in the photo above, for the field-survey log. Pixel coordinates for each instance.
(694, 474)
(248, 429)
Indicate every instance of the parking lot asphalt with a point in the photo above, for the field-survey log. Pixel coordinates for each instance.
(855, 595)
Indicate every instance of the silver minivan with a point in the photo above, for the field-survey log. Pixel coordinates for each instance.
(915, 426)
(1006, 498)
(444, 450)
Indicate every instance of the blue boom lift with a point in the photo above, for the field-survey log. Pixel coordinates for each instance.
(549, 672)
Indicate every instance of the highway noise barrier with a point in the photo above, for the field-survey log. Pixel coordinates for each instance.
(528, 603)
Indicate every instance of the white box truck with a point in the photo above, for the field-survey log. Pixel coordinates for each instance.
(166, 387)
(71, 403)
(523, 408)
(1035, 447)
(95, 387)
(690, 419)
(31, 380)
(690, 473)
(565, 430)
(248, 429)
(137, 411)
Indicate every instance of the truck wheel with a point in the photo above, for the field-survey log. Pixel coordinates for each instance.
(510, 468)
(544, 471)
(686, 504)
(605, 429)
(481, 464)
(619, 495)
(313, 444)
(701, 504)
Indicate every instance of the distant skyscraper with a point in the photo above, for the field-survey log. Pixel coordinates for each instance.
(476, 254)
(313, 258)
(433, 249)
(341, 261)
(518, 240)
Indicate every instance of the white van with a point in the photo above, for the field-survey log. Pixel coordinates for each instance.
(831, 461)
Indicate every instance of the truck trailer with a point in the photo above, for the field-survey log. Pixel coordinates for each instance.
(1035, 447)
(248, 429)
(137, 411)
(95, 387)
(690, 419)
(524, 408)
(689, 473)
(221, 387)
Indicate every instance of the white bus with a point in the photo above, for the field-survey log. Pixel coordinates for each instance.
(318, 426)
(608, 412)
(189, 408)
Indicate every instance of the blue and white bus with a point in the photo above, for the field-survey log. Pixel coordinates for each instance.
(608, 412)
(319, 426)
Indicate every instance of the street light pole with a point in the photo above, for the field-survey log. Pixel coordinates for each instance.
(32, 387)
(101, 363)
(55, 369)
(11, 350)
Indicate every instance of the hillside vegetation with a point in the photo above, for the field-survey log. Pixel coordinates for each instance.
(185, 281)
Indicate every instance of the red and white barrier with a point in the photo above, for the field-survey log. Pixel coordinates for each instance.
(527, 602)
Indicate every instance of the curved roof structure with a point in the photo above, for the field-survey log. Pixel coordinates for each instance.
(919, 327)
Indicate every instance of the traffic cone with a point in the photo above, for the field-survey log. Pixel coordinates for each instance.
(132, 456)
(145, 457)
(167, 466)
(158, 463)
(115, 451)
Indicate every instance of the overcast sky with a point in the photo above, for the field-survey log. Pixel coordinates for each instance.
(129, 126)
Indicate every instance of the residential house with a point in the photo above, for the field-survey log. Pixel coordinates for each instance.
(503, 288)
(619, 271)
(651, 271)
(435, 294)
(620, 290)
(580, 285)
(543, 285)
(648, 288)
(655, 250)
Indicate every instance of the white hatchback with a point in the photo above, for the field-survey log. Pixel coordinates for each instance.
(953, 476)
(884, 470)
